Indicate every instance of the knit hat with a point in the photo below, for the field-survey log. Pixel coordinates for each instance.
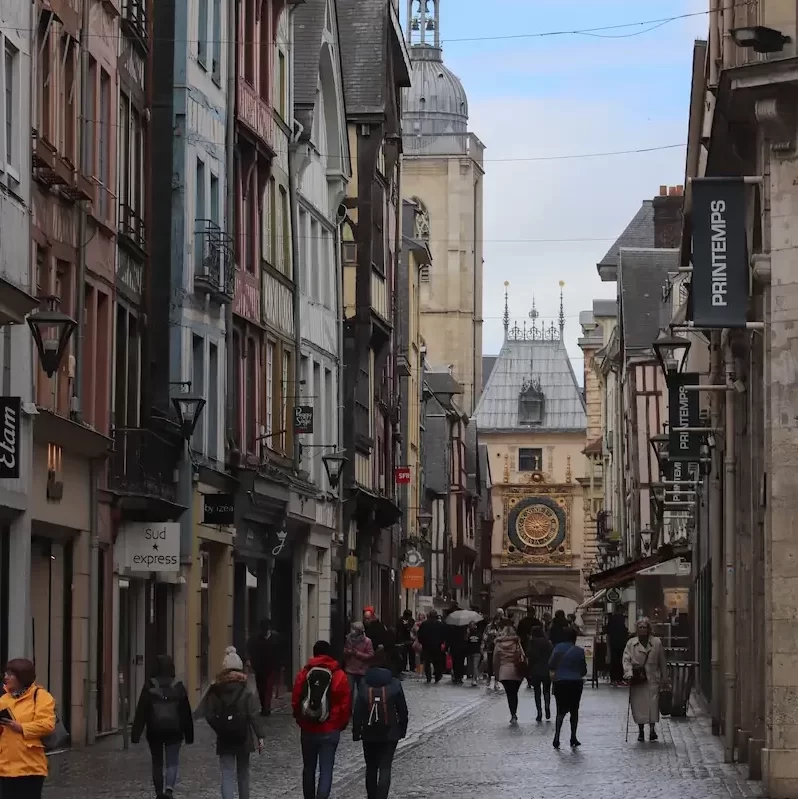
(232, 660)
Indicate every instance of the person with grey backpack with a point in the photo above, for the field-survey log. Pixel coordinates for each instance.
(164, 710)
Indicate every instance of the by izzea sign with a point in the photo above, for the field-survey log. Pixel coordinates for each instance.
(150, 547)
(10, 411)
(719, 286)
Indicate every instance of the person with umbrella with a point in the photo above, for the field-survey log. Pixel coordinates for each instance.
(457, 621)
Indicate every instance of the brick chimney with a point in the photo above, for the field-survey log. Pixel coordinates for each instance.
(668, 217)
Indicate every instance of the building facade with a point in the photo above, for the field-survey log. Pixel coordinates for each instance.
(371, 241)
(443, 172)
(531, 417)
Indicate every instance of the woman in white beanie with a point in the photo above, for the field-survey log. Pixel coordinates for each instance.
(232, 709)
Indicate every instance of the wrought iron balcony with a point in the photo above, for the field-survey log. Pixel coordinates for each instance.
(131, 226)
(214, 270)
(134, 20)
(142, 467)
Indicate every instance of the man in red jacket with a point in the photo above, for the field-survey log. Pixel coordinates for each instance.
(322, 705)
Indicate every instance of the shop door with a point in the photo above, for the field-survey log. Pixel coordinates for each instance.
(312, 634)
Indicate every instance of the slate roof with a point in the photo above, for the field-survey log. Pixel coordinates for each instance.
(363, 33)
(308, 29)
(441, 383)
(638, 233)
(641, 275)
(548, 362)
(488, 362)
(436, 432)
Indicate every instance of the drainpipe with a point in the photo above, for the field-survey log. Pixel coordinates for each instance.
(94, 603)
(230, 203)
(729, 552)
(716, 538)
(396, 302)
(343, 535)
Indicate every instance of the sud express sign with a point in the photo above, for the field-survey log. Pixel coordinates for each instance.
(150, 547)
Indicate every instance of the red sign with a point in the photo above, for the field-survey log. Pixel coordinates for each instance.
(402, 475)
(458, 580)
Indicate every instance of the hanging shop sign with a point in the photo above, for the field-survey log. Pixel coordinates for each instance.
(10, 410)
(402, 475)
(720, 282)
(303, 419)
(683, 411)
(218, 509)
(150, 547)
(413, 577)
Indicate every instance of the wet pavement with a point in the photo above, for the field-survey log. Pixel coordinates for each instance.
(459, 744)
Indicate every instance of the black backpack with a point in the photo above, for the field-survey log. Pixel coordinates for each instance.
(381, 712)
(164, 720)
(315, 703)
(228, 720)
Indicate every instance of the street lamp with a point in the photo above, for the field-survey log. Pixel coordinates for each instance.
(424, 520)
(671, 351)
(189, 409)
(760, 38)
(334, 466)
(660, 443)
(51, 331)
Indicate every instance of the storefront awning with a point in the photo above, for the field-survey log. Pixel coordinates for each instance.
(622, 575)
(593, 600)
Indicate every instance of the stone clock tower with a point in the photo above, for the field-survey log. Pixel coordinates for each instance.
(443, 173)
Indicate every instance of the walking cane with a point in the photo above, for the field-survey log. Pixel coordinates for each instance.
(628, 713)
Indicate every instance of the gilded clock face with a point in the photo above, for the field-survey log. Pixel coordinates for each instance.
(537, 526)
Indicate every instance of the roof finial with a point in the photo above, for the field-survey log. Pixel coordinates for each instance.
(506, 308)
(562, 313)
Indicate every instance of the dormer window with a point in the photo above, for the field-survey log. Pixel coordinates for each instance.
(530, 404)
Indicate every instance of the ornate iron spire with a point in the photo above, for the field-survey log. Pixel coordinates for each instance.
(506, 308)
(562, 313)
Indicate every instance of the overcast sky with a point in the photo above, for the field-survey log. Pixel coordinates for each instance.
(565, 95)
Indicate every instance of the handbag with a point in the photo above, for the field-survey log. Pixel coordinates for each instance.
(665, 702)
(59, 737)
(639, 672)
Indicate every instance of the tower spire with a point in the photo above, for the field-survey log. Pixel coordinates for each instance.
(506, 309)
(423, 22)
(562, 313)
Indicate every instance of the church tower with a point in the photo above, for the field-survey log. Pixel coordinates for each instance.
(443, 174)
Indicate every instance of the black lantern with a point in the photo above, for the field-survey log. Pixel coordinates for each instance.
(671, 351)
(51, 331)
(760, 39)
(189, 409)
(334, 466)
(660, 445)
(424, 520)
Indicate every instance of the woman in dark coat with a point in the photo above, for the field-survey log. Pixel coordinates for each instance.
(538, 654)
(164, 710)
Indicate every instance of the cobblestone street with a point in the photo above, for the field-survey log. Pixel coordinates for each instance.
(460, 744)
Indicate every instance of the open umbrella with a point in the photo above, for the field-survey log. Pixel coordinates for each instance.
(462, 618)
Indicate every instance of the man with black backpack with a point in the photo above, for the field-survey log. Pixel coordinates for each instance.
(380, 721)
(322, 705)
(163, 708)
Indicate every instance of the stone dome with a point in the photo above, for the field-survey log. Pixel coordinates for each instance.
(436, 102)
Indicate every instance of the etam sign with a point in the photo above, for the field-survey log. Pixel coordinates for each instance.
(10, 410)
(719, 283)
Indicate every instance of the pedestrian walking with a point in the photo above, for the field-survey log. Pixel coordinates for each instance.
(509, 663)
(27, 716)
(432, 637)
(164, 711)
(456, 647)
(374, 628)
(473, 652)
(559, 624)
(568, 667)
(646, 670)
(380, 720)
(322, 705)
(538, 654)
(416, 644)
(617, 638)
(358, 654)
(492, 632)
(404, 640)
(265, 660)
(232, 710)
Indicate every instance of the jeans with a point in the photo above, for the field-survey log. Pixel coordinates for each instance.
(354, 684)
(511, 687)
(265, 682)
(235, 768)
(542, 685)
(172, 760)
(433, 660)
(379, 759)
(21, 787)
(318, 747)
(473, 666)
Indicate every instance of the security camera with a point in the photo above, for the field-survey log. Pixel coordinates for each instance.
(739, 386)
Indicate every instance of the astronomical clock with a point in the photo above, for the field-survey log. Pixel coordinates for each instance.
(537, 529)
